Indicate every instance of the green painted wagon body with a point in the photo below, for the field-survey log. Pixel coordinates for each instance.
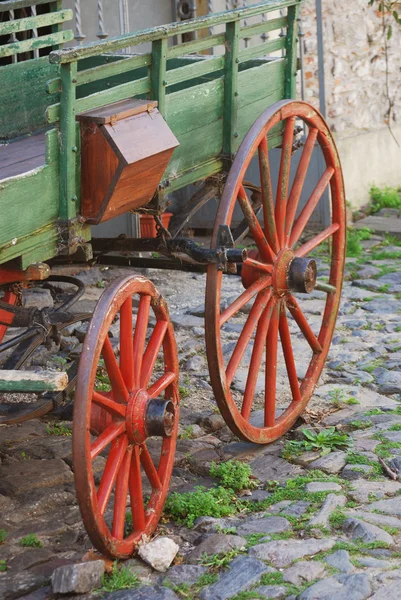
(208, 100)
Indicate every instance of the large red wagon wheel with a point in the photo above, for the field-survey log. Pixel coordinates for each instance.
(277, 269)
(133, 424)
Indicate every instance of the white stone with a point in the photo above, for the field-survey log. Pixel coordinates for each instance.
(159, 553)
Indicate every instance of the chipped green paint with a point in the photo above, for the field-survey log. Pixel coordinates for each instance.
(230, 133)
(28, 23)
(53, 39)
(164, 31)
(291, 51)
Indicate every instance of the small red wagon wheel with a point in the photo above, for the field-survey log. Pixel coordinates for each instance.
(5, 316)
(256, 370)
(126, 411)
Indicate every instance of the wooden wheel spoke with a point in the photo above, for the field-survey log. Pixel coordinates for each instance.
(150, 469)
(114, 408)
(136, 493)
(283, 178)
(106, 437)
(267, 195)
(161, 384)
(120, 496)
(310, 206)
(256, 311)
(255, 228)
(303, 324)
(271, 369)
(259, 266)
(285, 337)
(151, 352)
(244, 298)
(141, 327)
(126, 347)
(119, 388)
(317, 240)
(299, 181)
(256, 359)
(110, 472)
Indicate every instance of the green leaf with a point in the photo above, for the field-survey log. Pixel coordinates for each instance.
(389, 32)
(310, 435)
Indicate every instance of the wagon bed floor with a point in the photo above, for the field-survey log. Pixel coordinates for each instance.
(22, 155)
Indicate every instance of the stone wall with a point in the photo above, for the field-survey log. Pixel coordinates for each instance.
(355, 65)
(355, 85)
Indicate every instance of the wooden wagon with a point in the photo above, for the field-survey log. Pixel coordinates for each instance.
(89, 134)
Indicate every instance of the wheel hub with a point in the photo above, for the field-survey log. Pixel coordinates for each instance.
(302, 275)
(147, 417)
(290, 273)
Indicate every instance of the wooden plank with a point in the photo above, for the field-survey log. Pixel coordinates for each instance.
(203, 67)
(248, 114)
(196, 45)
(265, 27)
(109, 96)
(203, 171)
(22, 98)
(21, 150)
(68, 143)
(231, 88)
(54, 39)
(291, 52)
(205, 99)
(111, 113)
(259, 81)
(14, 4)
(35, 22)
(158, 73)
(164, 31)
(261, 50)
(30, 202)
(28, 381)
(194, 150)
(114, 68)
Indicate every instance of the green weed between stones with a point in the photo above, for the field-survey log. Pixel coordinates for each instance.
(323, 441)
(3, 566)
(384, 449)
(385, 254)
(275, 578)
(120, 578)
(184, 392)
(387, 197)
(3, 535)
(337, 518)
(190, 592)
(31, 541)
(187, 507)
(353, 458)
(354, 238)
(234, 474)
(358, 424)
(221, 560)
(58, 429)
(374, 364)
(187, 434)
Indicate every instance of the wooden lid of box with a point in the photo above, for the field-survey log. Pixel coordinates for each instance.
(117, 111)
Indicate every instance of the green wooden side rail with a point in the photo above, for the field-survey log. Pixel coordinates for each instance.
(32, 23)
(215, 87)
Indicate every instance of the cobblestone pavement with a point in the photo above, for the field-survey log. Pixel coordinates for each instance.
(315, 529)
